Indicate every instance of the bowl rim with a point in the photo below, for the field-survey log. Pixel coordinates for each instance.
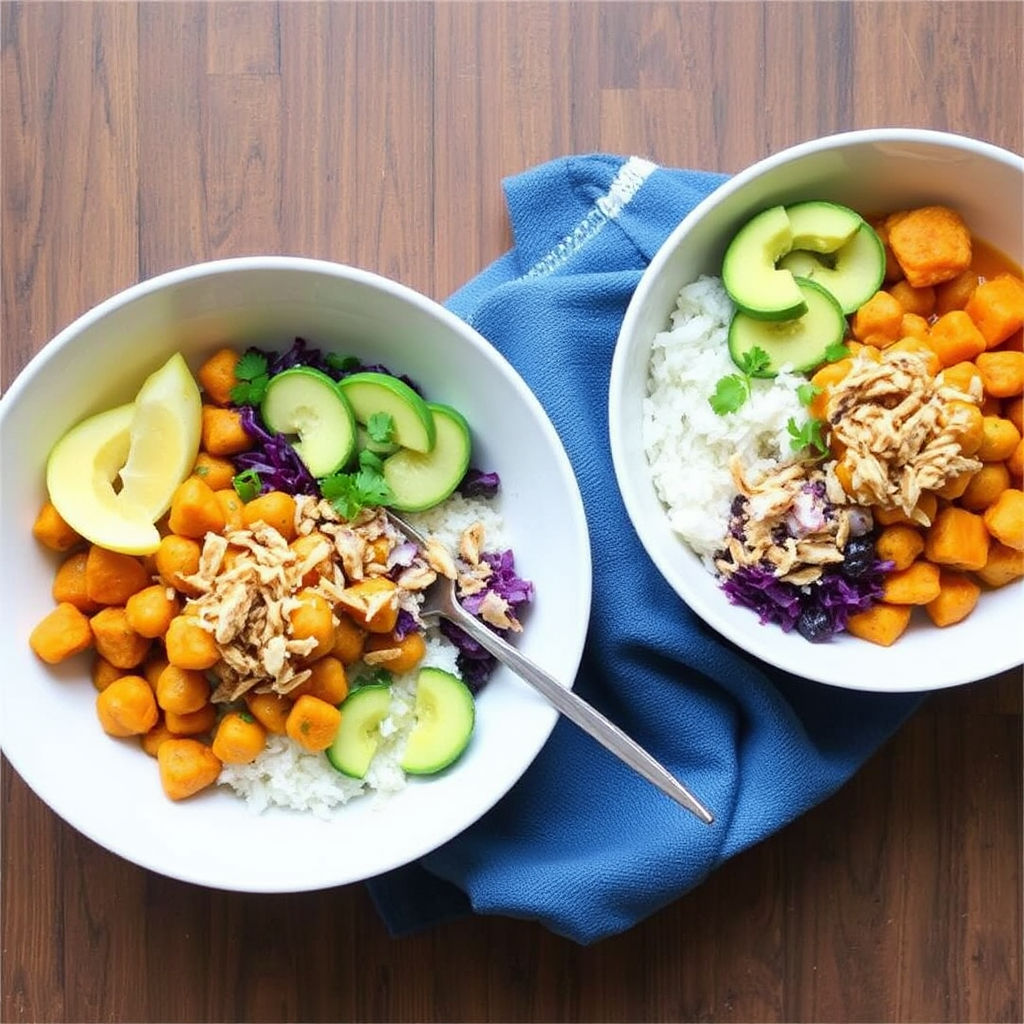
(546, 715)
(616, 402)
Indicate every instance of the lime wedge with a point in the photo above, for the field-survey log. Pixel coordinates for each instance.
(164, 432)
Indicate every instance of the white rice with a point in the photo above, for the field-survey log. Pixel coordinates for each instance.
(688, 445)
(285, 775)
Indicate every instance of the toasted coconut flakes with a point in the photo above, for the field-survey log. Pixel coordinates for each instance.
(471, 543)
(439, 559)
(496, 610)
(382, 656)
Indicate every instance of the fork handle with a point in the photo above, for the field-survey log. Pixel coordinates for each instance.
(582, 714)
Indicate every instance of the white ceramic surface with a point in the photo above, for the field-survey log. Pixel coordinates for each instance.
(109, 789)
(873, 171)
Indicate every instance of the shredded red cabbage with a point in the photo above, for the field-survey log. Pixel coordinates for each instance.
(818, 611)
(474, 663)
(478, 484)
(274, 459)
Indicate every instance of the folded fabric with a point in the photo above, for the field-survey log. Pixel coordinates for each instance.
(582, 844)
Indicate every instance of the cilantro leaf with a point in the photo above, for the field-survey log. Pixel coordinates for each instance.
(247, 484)
(811, 435)
(342, 363)
(807, 393)
(733, 390)
(754, 361)
(251, 364)
(349, 493)
(730, 393)
(380, 426)
(252, 377)
(836, 351)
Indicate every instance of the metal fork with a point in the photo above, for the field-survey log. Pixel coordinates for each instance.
(441, 602)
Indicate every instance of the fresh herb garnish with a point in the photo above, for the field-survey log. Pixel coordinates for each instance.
(252, 376)
(349, 493)
(811, 435)
(377, 675)
(380, 426)
(733, 390)
(247, 484)
(806, 393)
(836, 351)
(341, 363)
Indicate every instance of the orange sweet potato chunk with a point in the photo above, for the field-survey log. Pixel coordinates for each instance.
(932, 244)
(997, 307)
(957, 539)
(958, 594)
(881, 624)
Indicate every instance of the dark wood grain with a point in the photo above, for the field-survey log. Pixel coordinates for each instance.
(140, 137)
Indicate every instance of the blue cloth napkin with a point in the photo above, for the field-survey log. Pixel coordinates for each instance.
(581, 844)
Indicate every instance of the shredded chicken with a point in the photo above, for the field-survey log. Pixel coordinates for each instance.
(783, 521)
(899, 430)
(248, 583)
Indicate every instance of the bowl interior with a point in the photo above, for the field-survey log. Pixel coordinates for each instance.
(107, 788)
(872, 172)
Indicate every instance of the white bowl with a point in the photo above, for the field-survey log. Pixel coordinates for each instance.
(873, 171)
(109, 789)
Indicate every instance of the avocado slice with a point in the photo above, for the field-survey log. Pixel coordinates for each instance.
(800, 341)
(305, 402)
(371, 393)
(420, 481)
(445, 717)
(749, 273)
(358, 736)
(852, 273)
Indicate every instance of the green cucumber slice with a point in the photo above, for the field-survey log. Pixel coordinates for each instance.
(308, 403)
(358, 736)
(749, 273)
(801, 342)
(853, 273)
(821, 226)
(445, 715)
(370, 392)
(419, 481)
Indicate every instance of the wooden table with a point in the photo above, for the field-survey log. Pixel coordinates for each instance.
(138, 137)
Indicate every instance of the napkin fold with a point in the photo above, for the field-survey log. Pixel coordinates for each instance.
(582, 844)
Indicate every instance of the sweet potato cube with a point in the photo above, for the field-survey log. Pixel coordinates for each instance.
(112, 577)
(999, 438)
(900, 544)
(881, 624)
(61, 634)
(1005, 518)
(984, 487)
(917, 584)
(1002, 373)
(965, 377)
(1003, 565)
(1015, 465)
(880, 316)
(52, 531)
(914, 300)
(955, 338)
(195, 510)
(997, 307)
(958, 594)
(957, 539)
(955, 293)
(932, 244)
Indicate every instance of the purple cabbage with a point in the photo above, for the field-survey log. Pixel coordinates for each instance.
(818, 610)
(478, 484)
(474, 662)
(274, 459)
